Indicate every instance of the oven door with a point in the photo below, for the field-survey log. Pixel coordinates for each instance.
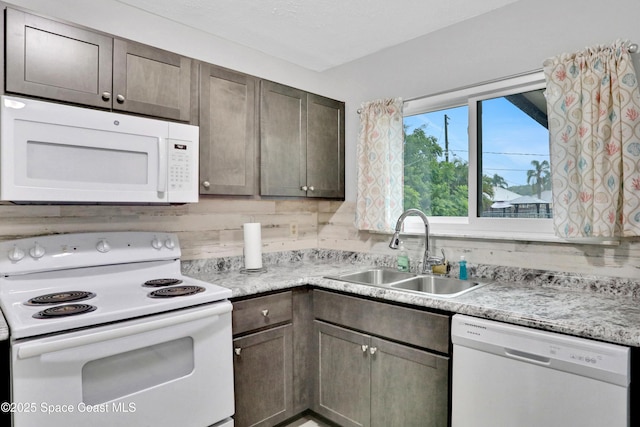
(165, 370)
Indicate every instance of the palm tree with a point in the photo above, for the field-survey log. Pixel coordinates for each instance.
(538, 177)
(487, 192)
(498, 181)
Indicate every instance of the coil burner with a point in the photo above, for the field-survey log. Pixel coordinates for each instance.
(64, 311)
(60, 297)
(176, 291)
(158, 283)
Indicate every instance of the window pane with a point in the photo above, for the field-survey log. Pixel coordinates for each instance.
(436, 162)
(514, 142)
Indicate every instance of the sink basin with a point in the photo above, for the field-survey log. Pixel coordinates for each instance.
(375, 276)
(446, 287)
(437, 285)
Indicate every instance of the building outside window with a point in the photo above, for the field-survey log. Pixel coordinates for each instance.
(479, 156)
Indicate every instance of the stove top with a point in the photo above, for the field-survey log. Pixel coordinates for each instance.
(71, 281)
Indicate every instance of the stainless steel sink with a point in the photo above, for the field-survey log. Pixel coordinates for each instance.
(375, 276)
(441, 286)
(438, 285)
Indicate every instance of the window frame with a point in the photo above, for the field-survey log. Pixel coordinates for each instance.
(474, 226)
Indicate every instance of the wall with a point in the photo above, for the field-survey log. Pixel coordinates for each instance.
(113, 17)
(210, 228)
(505, 42)
(511, 40)
(336, 231)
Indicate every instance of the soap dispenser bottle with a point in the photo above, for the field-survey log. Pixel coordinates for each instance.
(403, 259)
(463, 269)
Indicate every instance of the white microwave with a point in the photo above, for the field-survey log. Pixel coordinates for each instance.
(54, 153)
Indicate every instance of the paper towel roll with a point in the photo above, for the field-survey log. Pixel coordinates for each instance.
(252, 246)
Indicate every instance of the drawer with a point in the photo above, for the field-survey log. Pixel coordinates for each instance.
(260, 312)
(416, 327)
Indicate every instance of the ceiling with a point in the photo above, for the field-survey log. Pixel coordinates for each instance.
(318, 34)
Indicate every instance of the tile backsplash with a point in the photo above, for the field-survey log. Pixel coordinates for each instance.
(212, 228)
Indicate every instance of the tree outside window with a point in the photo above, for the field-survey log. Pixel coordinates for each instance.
(513, 152)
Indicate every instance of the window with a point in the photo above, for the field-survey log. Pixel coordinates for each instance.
(513, 139)
(477, 159)
(436, 159)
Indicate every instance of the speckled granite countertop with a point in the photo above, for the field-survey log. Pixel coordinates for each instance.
(606, 309)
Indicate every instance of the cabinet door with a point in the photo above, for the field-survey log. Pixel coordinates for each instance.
(325, 147)
(151, 81)
(342, 388)
(409, 387)
(263, 377)
(228, 132)
(283, 140)
(52, 60)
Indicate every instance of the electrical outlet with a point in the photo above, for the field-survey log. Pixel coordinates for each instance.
(293, 230)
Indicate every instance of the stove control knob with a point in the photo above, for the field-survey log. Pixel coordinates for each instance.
(169, 244)
(156, 243)
(103, 246)
(37, 251)
(15, 254)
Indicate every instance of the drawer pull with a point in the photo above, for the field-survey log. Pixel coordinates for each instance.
(265, 313)
(373, 350)
(364, 348)
(237, 351)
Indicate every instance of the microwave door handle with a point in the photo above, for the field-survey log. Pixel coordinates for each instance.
(162, 165)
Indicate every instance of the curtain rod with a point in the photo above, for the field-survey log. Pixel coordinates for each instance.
(633, 48)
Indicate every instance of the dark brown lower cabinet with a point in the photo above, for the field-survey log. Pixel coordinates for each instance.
(343, 390)
(263, 377)
(367, 381)
(409, 387)
(354, 361)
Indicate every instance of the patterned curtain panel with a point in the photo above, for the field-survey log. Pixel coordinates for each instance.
(593, 105)
(380, 165)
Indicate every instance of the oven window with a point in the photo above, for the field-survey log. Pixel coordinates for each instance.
(123, 374)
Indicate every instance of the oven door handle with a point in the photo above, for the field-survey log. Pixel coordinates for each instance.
(27, 350)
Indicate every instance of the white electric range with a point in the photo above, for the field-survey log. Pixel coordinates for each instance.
(106, 321)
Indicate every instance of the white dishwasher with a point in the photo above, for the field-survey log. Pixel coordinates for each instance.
(506, 375)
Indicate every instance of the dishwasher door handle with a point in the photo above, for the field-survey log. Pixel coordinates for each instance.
(527, 357)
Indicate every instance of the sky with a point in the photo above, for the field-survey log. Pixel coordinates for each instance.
(511, 139)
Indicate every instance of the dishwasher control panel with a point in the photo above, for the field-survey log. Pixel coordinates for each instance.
(609, 362)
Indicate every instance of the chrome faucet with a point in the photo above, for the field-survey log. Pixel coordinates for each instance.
(427, 260)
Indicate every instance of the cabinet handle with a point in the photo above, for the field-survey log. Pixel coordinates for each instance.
(373, 350)
(304, 188)
(237, 351)
(265, 313)
(364, 348)
(120, 99)
(311, 188)
(106, 96)
(206, 184)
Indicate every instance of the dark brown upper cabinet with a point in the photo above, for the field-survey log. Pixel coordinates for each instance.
(228, 132)
(53, 60)
(301, 143)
